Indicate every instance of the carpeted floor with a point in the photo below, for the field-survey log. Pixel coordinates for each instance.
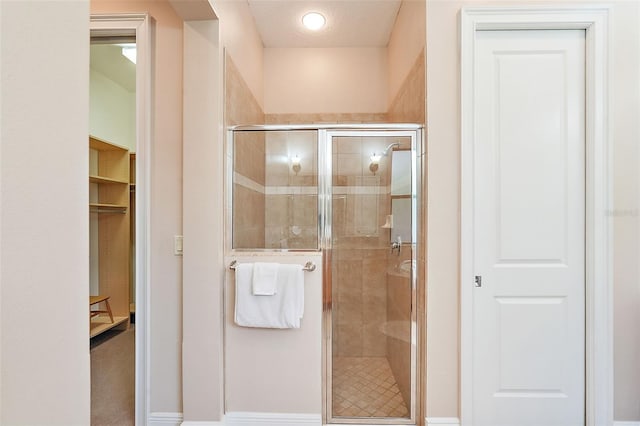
(113, 378)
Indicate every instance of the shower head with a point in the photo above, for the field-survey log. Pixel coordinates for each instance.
(387, 149)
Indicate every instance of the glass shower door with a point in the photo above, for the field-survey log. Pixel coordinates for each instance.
(372, 361)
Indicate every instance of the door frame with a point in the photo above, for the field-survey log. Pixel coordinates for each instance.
(599, 296)
(138, 24)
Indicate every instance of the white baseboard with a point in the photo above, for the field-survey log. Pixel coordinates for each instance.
(452, 421)
(442, 421)
(164, 419)
(176, 419)
(272, 419)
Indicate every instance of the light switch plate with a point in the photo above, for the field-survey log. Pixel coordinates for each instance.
(177, 245)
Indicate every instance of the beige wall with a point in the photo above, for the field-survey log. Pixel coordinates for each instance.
(242, 42)
(270, 370)
(203, 272)
(406, 43)
(44, 85)
(165, 327)
(444, 208)
(325, 80)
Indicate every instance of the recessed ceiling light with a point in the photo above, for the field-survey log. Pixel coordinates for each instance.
(313, 21)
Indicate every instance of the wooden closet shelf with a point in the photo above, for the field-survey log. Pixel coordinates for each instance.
(109, 200)
(107, 208)
(106, 180)
(100, 145)
(102, 323)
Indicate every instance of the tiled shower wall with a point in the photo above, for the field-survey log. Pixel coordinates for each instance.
(399, 320)
(249, 166)
(372, 295)
(409, 105)
(241, 107)
(360, 247)
(248, 190)
(291, 211)
(326, 118)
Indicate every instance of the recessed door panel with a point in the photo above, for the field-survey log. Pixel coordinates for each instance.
(531, 332)
(532, 163)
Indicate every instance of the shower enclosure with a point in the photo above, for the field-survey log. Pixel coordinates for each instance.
(350, 191)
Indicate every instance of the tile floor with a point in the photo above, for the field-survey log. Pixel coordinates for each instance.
(365, 387)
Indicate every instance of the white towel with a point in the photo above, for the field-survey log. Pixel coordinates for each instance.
(282, 310)
(264, 280)
(292, 276)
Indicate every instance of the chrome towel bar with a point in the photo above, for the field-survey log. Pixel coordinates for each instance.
(309, 266)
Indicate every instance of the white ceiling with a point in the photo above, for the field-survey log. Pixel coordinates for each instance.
(350, 23)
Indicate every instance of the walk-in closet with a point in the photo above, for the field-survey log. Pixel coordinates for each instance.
(111, 174)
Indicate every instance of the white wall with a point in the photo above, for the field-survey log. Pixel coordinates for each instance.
(165, 326)
(625, 136)
(243, 43)
(44, 81)
(443, 112)
(111, 111)
(203, 223)
(406, 43)
(325, 80)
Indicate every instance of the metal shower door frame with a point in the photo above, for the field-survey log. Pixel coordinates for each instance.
(325, 193)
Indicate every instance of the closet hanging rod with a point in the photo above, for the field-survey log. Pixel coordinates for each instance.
(309, 266)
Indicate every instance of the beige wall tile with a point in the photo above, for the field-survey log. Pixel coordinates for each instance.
(241, 107)
(409, 104)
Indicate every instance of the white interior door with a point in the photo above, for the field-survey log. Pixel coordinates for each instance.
(529, 228)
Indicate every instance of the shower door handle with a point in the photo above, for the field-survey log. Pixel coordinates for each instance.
(396, 245)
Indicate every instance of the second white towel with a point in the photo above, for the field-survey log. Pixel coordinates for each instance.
(284, 309)
(265, 277)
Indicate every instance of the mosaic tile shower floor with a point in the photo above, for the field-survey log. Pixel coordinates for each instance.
(365, 387)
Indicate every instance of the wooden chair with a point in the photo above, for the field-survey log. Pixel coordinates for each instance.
(93, 300)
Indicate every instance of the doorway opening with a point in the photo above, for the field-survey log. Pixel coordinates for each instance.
(112, 144)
